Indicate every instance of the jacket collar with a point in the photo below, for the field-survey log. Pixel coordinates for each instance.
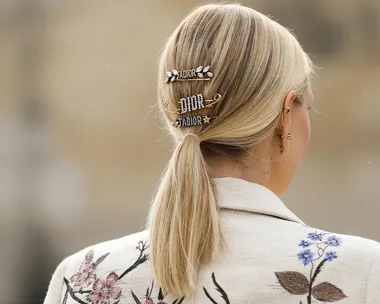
(238, 194)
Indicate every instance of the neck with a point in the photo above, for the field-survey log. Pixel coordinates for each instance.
(255, 170)
(258, 166)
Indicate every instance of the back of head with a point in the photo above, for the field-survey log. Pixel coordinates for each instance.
(253, 62)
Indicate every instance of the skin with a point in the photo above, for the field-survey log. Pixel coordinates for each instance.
(264, 164)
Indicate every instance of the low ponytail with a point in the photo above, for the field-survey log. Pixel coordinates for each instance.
(183, 222)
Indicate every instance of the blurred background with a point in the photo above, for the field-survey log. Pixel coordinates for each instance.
(81, 147)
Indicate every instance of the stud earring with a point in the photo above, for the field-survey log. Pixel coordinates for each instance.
(289, 136)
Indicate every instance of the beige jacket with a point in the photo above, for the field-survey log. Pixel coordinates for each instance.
(272, 257)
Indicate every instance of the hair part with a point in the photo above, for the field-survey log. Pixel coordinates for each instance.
(255, 62)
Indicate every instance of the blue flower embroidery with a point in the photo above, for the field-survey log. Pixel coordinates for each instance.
(331, 256)
(316, 253)
(333, 241)
(305, 244)
(314, 236)
(306, 256)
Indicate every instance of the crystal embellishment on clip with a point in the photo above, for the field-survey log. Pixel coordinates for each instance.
(192, 121)
(194, 103)
(200, 73)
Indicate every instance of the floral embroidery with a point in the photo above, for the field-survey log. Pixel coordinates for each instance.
(84, 287)
(149, 300)
(85, 276)
(305, 244)
(333, 241)
(219, 289)
(314, 236)
(306, 256)
(297, 283)
(331, 255)
(101, 291)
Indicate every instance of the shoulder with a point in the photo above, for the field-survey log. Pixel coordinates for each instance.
(103, 264)
(358, 251)
(114, 246)
(109, 252)
(346, 255)
(362, 256)
(351, 245)
(362, 245)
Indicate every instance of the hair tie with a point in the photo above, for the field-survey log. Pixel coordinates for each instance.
(192, 135)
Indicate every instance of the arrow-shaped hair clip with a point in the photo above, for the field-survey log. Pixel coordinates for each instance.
(201, 73)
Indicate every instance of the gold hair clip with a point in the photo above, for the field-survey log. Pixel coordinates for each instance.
(194, 103)
(193, 121)
(190, 75)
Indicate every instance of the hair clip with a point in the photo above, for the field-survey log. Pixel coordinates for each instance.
(190, 75)
(193, 121)
(194, 103)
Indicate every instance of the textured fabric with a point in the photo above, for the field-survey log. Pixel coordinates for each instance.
(270, 257)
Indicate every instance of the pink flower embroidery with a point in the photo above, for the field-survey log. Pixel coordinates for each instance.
(85, 276)
(140, 245)
(103, 291)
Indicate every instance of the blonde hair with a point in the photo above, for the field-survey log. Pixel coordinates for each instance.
(255, 62)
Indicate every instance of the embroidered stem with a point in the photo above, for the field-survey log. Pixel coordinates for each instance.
(72, 294)
(209, 297)
(311, 270)
(143, 257)
(84, 291)
(321, 252)
(317, 271)
(66, 296)
(220, 289)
